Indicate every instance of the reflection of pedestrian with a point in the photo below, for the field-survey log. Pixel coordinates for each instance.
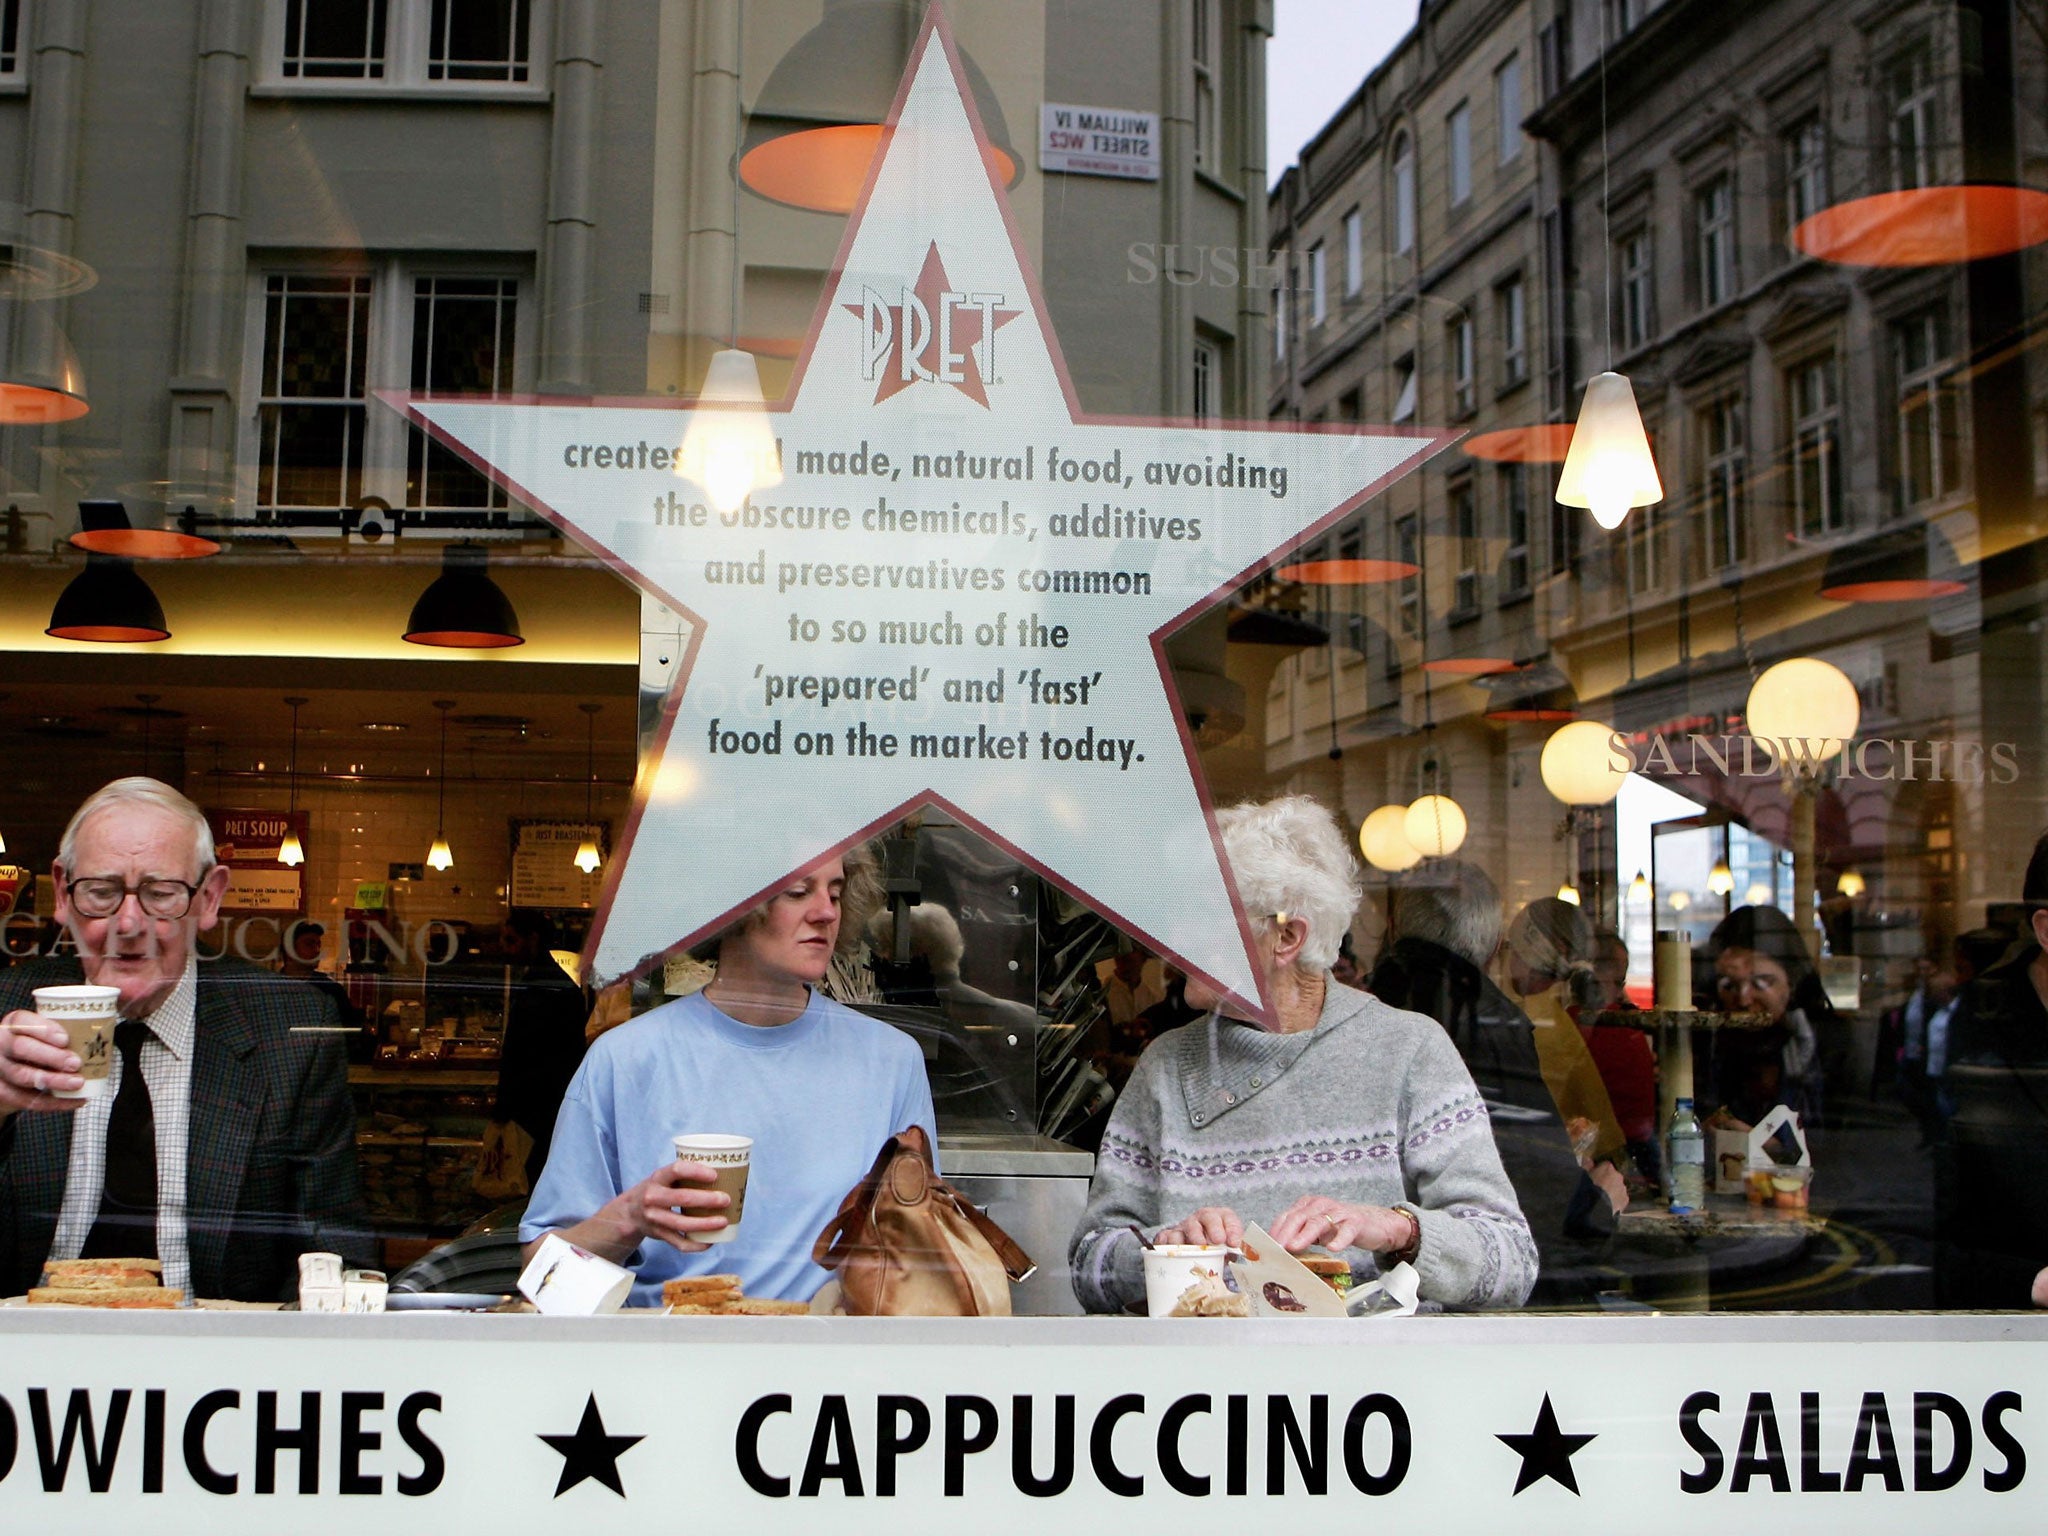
(543, 1037)
(1622, 1053)
(1991, 1166)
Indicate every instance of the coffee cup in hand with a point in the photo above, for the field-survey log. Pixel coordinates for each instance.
(728, 1157)
(88, 1015)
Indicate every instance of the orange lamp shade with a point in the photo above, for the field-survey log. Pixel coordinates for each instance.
(1347, 573)
(1471, 666)
(824, 169)
(1926, 226)
(1545, 443)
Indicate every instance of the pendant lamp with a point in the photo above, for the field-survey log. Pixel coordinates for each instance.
(105, 528)
(1609, 469)
(729, 448)
(587, 856)
(41, 383)
(108, 603)
(290, 852)
(1579, 765)
(1805, 701)
(1383, 839)
(1568, 894)
(462, 607)
(1902, 566)
(439, 855)
(817, 125)
(1639, 887)
(1850, 884)
(1721, 879)
(1436, 825)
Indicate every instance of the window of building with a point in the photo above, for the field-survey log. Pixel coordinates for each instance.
(402, 42)
(1507, 109)
(1205, 382)
(1404, 389)
(1318, 293)
(1806, 170)
(1408, 590)
(1350, 546)
(10, 39)
(327, 340)
(1714, 226)
(1724, 470)
(1554, 55)
(1464, 521)
(1930, 434)
(1464, 397)
(1512, 307)
(1648, 534)
(1511, 483)
(313, 391)
(1354, 253)
(1208, 52)
(1624, 16)
(1816, 429)
(1280, 316)
(1565, 525)
(1638, 291)
(1404, 193)
(1915, 97)
(1458, 148)
(1350, 406)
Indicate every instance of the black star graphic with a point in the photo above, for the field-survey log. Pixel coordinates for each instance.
(590, 1452)
(1546, 1451)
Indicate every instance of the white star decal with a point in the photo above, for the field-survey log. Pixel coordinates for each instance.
(956, 596)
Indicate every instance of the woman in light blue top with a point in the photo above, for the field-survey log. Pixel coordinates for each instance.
(760, 1053)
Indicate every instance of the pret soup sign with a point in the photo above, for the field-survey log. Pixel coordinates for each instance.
(229, 1423)
(947, 584)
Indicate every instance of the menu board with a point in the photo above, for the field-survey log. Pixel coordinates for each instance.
(246, 842)
(544, 872)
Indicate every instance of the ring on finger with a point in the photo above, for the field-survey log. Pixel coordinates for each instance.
(1330, 1221)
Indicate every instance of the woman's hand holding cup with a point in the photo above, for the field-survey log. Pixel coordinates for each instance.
(674, 1204)
(1213, 1226)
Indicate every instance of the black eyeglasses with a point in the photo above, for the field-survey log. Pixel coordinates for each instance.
(101, 896)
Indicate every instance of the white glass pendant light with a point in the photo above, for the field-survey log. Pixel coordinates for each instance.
(1608, 468)
(1383, 839)
(729, 448)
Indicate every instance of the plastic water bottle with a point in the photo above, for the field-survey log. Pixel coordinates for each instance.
(1688, 1159)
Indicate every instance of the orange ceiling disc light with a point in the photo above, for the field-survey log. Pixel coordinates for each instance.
(1545, 443)
(1903, 566)
(818, 122)
(1472, 666)
(1926, 226)
(104, 528)
(1347, 573)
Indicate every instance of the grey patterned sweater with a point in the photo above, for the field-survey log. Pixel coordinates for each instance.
(1371, 1107)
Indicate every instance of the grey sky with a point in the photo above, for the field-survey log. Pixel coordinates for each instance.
(1321, 50)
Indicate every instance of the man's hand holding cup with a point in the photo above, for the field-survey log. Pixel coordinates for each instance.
(37, 1065)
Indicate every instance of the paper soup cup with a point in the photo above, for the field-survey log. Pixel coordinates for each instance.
(1172, 1267)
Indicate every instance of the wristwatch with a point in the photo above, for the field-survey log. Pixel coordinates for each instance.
(1405, 1254)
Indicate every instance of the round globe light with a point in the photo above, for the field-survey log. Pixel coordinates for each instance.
(1805, 701)
(1580, 766)
(1435, 824)
(1383, 839)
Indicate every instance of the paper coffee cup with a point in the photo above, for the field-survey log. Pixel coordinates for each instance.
(88, 1014)
(1170, 1268)
(729, 1156)
(567, 1281)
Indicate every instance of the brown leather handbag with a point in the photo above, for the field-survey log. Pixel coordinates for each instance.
(907, 1244)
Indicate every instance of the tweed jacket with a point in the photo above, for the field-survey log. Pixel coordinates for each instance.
(271, 1161)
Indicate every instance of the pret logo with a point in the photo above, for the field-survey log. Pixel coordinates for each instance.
(934, 332)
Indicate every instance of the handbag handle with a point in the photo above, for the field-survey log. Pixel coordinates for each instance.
(833, 1244)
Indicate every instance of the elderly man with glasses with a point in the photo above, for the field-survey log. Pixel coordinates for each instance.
(225, 1143)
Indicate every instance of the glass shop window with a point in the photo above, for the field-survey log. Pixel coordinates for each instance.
(1511, 481)
(1724, 474)
(1816, 429)
(402, 42)
(1638, 290)
(1930, 436)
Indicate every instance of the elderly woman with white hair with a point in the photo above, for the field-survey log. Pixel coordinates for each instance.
(1343, 1123)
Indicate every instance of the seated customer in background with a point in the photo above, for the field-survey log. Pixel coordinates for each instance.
(1342, 1124)
(759, 1052)
(1444, 932)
